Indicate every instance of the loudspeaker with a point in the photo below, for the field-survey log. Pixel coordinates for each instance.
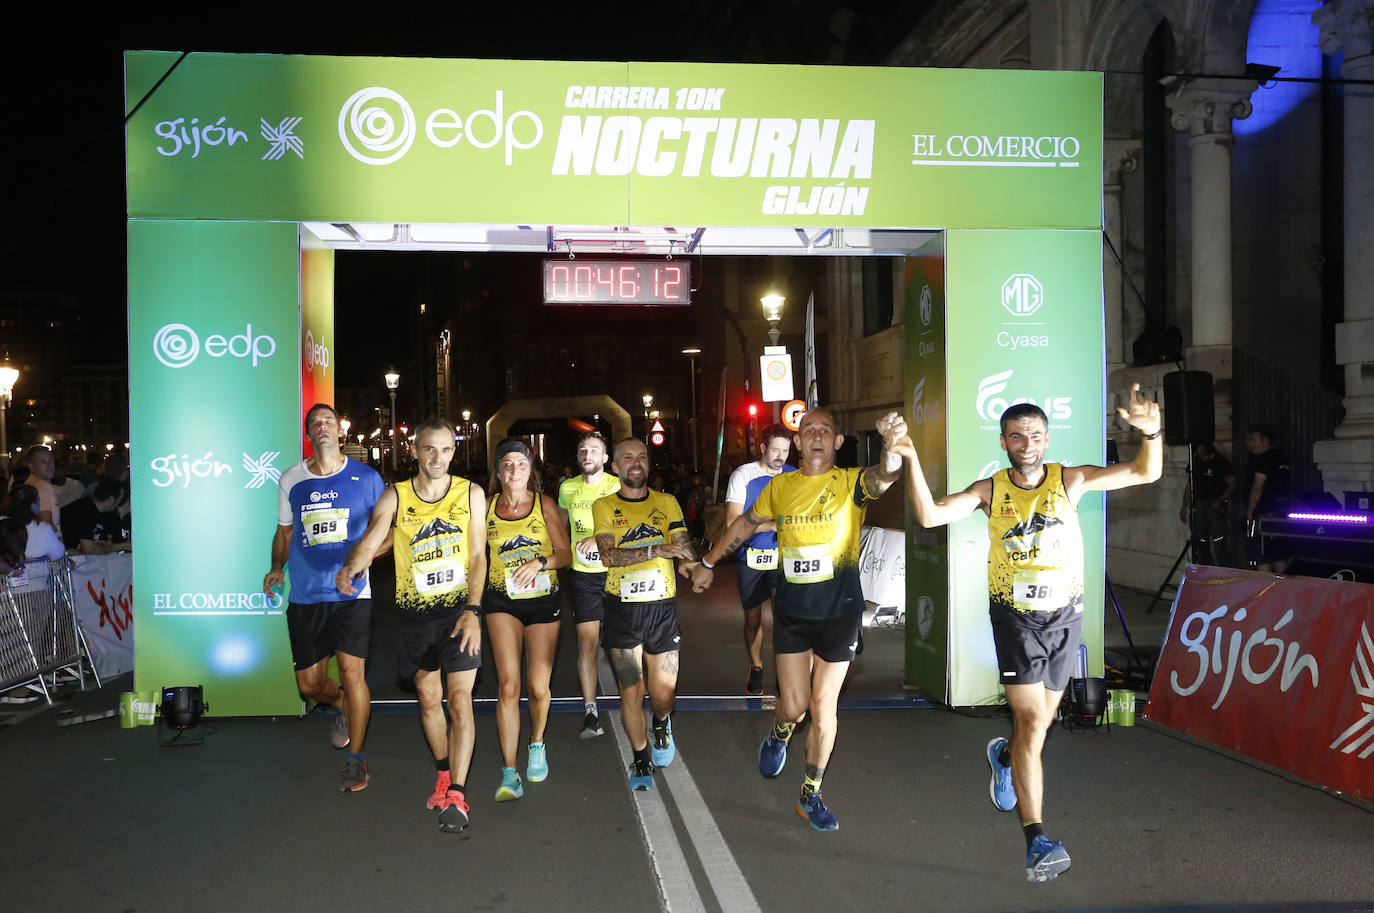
(1189, 417)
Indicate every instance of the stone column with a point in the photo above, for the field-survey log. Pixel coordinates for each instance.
(1205, 109)
(1347, 462)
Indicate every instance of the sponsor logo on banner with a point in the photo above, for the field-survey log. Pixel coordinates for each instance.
(1245, 649)
(990, 402)
(181, 470)
(315, 353)
(219, 602)
(318, 496)
(922, 411)
(1022, 295)
(377, 126)
(176, 345)
(179, 135)
(995, 151)
(927, 306)
(925, 616)
(281, 138)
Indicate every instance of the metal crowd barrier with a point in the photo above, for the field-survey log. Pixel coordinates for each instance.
(41, 641)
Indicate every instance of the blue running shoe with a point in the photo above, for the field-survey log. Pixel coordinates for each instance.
(1046, 859)
(538, 767)
(1001, 790)
(510, 788)
(811, 807)
(663, 750)
(772, 756)
(641, 775)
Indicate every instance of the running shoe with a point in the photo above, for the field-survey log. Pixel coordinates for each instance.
(641, 775)
(453, 816)
(591, 727)
(354, 775)
(338, 735)
(510, 788)
(1000, 788)
(1046, 859)
(772, 756)
(441, 785)
(663, 750)
(755, 683)
(812, 807)
(538, 768)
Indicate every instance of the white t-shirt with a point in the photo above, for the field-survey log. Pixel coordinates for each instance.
(43, 542)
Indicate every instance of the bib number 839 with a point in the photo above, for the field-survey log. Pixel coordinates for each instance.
(805, 567)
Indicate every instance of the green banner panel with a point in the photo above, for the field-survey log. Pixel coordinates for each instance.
(261, 137)
(1024, 324)
(214, 387)
(317, 333)
(927, 558)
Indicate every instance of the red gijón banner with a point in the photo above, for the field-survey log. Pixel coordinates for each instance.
(1277, 668)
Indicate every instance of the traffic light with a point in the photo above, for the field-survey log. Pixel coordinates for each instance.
(753, 412)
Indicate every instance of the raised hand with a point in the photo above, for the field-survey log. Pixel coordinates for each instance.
(1140, 412)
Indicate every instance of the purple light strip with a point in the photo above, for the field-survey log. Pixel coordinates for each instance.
(1331, 518)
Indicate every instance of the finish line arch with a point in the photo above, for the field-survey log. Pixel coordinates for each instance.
(244, 172)
(499, 425)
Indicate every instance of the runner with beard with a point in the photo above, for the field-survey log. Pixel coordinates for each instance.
(1035, 589)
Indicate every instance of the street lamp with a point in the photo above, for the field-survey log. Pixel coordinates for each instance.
(393, 380)
(467, 441)
(772, 312)
(9, 375)
(648, 401)
(344, 425)
(692, 352)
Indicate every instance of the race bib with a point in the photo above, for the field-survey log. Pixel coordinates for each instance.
(325, 525)
(643, 586)
(541, 586)
(1034, 590)
(761, 559)
(434, 578)
(807, 564)
(593, 557)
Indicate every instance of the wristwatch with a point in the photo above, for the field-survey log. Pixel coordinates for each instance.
(544, 561)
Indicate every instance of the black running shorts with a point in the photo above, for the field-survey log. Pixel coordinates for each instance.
(539, 610)
(652, 625)
(427, 645)
(1028, 653)
(755, 586)
(320, 629)
(835, 640)
(588, 596)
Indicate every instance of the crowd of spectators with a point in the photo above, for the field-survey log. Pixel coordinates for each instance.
(68, 509)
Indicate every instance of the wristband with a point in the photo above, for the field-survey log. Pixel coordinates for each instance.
(706, 564)
(651, 551)
(1151, 437)
(474, 609)
(544, 561)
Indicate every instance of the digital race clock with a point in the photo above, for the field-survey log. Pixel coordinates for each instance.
(612, 282)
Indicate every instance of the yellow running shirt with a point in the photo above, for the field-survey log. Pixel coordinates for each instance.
(576, 497)
(640, 524)
(819, 520)
(431, 544)
(511, 543)
(1035, 558)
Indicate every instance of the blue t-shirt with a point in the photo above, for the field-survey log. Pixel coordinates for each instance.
(744, 487)
(327, 515)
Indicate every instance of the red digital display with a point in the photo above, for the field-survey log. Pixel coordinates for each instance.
(612, 282)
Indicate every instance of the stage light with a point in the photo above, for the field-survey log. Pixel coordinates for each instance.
(1330, 518)
(182, 706)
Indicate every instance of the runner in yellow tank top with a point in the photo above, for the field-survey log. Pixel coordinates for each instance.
(1035, 589)
(441, 570)
(521, 605)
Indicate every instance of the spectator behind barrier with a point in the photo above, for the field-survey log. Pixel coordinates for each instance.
(22, 506)
(92, 524)
(13, 539)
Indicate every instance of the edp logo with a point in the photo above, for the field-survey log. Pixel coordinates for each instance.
(176, 345)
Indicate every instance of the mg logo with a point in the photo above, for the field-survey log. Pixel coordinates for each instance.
(1022, 295)
(927, 307)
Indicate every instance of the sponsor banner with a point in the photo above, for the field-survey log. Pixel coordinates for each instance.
(882, 566)
(1248, 651)
(927, 550)
(317, 333)
(214, 380)
(267, 137)
(103, 594)
(1024, 324)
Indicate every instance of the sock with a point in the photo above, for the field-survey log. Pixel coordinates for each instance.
(358, 755)
(811, 782)
(1031, 830)
(441, 764)
(642, 754)
(660, 725)
(1004, 756)
(590, 707)
(459, 787)
(783, 731)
